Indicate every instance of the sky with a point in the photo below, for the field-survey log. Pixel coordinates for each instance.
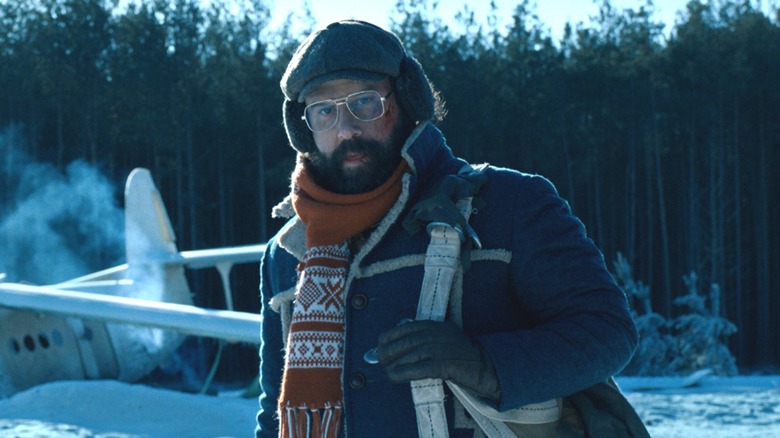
(553, 13)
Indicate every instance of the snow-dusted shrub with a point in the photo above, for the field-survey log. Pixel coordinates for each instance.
(694, 340)
(655, 349)
(701, 333)
(654, 352)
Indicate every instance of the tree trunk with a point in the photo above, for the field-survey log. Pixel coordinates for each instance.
(567, 163)
(223, 197)
(261, 198)
(737, 317)
(650, 237)
(181, 201)
(597, 194)
(667, 293)
(192, 196)
(763, 336)
(632, 193)
(692, 202)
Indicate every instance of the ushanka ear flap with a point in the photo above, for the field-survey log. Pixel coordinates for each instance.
(415, 92)
(297, 132)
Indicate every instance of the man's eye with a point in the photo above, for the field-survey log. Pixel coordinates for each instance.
(323, 110)
(363, 101)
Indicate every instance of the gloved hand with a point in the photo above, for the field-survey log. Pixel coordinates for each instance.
(437, 350)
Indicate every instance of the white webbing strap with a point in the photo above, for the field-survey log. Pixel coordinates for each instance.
(495, 423)
(441, 260)
(428, 397)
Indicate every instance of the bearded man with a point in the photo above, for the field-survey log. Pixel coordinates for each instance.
(535, 315)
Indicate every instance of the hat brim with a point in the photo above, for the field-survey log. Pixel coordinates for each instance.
(353, 75)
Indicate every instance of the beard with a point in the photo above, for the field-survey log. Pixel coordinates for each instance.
(382, 158)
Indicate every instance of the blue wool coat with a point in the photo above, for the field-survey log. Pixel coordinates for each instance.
(537, 297)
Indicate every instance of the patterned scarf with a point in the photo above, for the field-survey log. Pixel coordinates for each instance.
(311, 401)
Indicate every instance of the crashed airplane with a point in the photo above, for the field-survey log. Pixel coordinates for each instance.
(96, 327)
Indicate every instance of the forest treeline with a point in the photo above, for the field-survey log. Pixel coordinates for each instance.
(666, 142)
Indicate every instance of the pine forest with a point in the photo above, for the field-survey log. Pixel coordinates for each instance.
(664, 141)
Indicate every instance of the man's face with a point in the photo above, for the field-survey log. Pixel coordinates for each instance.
(355, 156)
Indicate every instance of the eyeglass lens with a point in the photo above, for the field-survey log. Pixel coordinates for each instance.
(364, 105)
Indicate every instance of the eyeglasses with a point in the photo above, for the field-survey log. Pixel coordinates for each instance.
(365, 105)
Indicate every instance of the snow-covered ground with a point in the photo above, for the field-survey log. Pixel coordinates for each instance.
(119, 410)
(736, 407)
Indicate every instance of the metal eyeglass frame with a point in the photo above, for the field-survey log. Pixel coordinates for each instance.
(343, 101)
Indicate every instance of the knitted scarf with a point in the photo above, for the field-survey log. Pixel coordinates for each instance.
(311, 400)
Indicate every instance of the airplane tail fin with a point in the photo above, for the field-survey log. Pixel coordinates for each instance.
(154, 268)
(148, 229)
(150, 242)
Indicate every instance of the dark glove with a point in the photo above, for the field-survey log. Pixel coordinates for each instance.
(437, 350)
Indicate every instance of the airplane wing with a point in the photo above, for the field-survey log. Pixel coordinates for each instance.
(212, 257)
(221, 324)
(197, 259)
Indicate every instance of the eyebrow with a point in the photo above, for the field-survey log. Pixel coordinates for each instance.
(317, 96)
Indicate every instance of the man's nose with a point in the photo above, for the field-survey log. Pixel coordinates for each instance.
(347, 125)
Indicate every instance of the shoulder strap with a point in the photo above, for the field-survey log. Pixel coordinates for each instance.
(442, 260)
(446, 221)
(451, 203)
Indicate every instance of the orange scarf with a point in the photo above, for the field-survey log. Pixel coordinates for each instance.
(311, 400)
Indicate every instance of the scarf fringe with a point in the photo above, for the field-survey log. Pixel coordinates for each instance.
(305, 422)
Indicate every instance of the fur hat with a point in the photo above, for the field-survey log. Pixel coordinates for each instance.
(356, 50)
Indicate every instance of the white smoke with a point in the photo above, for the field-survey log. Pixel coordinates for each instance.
(54, 225)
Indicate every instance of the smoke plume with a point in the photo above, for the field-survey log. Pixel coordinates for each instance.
(54, 225)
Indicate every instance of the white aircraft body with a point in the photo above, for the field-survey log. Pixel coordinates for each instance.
(122, 322)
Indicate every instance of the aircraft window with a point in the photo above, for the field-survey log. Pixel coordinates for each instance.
(43, 340)
(29, 343)
(15, 346)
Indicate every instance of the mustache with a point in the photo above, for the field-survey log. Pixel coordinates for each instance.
(346, 147)
(355, 145)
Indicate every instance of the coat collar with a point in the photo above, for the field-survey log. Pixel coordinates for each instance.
(423, 150)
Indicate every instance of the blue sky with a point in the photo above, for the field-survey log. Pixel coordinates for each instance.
(554, 13)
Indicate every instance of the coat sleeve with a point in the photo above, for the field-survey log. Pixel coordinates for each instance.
(580, 330)
(277, 274)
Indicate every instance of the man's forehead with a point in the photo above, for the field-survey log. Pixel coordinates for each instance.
(341, 87)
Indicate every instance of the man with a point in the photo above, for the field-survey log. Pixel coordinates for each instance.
(537, 316)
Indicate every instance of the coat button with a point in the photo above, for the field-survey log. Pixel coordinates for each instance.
(357, 381)
(359, 301)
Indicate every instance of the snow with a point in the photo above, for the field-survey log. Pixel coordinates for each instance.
(727, 407)
(120, 410)
(744, 406)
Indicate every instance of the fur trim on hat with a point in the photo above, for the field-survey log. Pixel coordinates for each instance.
(415, 92)
(298, 132)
